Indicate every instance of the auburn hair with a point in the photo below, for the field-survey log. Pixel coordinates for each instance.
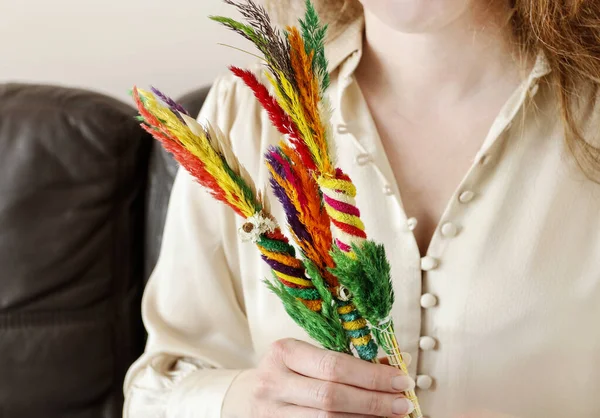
(566, 31)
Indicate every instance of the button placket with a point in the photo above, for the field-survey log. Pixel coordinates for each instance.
(449, 227)
(454, 217)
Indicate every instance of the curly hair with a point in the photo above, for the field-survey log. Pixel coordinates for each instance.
(567, 31)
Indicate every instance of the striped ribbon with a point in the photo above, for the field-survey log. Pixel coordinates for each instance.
(281, 257)
(356, 328)
(339, 195)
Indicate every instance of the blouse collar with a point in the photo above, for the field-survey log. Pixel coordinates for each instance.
(345, 50)
(344, 53)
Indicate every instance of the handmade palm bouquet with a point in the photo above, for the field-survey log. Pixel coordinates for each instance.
(338, 285)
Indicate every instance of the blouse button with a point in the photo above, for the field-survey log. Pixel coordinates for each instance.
(342, 129)
(362, 159)
(424, 381)
(428, 301)
(411, 223)
(387, 190)
(428, 263)
(427, 343)
(484, 160)
(449, 230)
(466, 196)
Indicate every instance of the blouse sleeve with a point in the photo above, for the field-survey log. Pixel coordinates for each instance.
(198, 336)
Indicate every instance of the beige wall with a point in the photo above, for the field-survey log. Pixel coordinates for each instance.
(109, 45)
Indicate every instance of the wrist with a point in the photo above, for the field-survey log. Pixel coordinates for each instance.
(236, 401)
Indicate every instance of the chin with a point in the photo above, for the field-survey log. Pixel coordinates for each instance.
(417, 16)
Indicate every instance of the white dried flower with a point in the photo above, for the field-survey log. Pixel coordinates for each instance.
(255, 226)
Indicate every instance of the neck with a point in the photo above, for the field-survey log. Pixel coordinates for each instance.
(458, 61)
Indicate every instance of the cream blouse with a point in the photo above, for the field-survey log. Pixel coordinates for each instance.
(502, 314)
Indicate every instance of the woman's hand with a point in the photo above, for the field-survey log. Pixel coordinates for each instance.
(298, 380)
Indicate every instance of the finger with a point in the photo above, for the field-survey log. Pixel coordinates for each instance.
(317, 363)
(294, 411)
(337, 397)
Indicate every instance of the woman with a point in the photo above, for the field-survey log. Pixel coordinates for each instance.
(471, 129)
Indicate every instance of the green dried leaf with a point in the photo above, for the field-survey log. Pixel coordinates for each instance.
(368, 278)
(313, 34)
(324, 329)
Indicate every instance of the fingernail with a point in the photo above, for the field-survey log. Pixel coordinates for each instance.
(403, 383)
(402, 406)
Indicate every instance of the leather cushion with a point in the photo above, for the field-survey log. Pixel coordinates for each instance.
(73, 168)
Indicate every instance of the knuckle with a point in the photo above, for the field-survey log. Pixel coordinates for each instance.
(278, 348)
(375, 405)
(372, 380)
(329, 366)
(281, 349)
(263, 387)
(325, 396)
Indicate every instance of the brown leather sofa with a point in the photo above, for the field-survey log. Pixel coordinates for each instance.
(83, 197)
